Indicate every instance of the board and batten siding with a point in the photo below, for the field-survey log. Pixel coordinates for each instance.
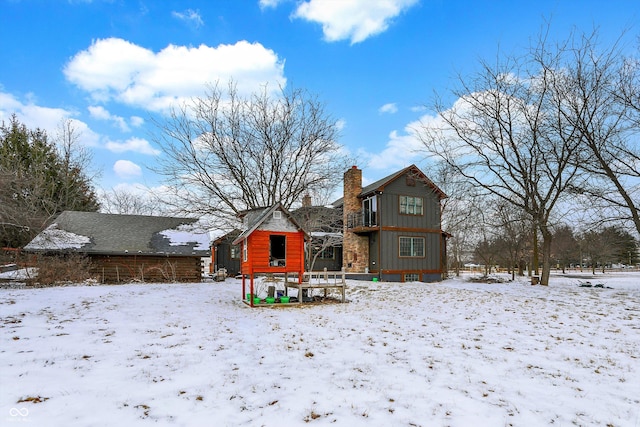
(395, 225)
(389, 206)
(391, 260)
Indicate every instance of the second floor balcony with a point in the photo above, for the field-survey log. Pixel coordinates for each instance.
(363, 221)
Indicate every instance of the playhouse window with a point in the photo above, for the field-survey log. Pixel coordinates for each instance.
(245, 251)
(277, 250)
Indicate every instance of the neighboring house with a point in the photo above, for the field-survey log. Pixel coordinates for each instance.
(128, 247)
(392, 228)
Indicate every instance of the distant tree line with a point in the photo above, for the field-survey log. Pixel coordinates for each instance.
(594, 250)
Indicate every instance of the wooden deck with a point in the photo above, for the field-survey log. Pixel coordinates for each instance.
(321, 280)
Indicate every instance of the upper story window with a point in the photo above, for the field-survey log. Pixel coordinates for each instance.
(410, 205)
(369, 211)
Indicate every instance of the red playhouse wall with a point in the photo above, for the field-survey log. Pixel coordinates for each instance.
(258, 253)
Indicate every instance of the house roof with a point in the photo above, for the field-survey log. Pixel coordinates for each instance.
(99, 233)
(382, 183)
(255, 217)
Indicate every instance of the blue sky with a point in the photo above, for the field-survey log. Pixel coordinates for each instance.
(112, 66)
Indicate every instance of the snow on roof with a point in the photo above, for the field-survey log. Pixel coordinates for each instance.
(183, 237)
(54, 238)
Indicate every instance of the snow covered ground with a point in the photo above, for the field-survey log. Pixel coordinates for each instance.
(454, 353)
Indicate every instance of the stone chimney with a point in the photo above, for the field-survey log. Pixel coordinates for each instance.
(306, 201)
(355, 248)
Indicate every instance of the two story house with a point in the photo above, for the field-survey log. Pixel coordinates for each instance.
(392, 228)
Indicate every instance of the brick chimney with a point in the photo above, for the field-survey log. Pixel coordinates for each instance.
(306, 201)
(355, 248)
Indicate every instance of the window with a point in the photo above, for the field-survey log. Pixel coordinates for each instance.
(411, 205)
(235, 252)
(412, 247)
(412, 277)
(277, 250)
(245, 251)
(369, 211)
(326, 253)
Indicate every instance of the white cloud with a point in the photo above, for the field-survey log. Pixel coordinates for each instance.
(115, 69)
(390, 108)
(136, 145)
(352, 19)
(126, 169)
(190, 16)
(101, 113)
(46, 118)
(136, 121)
(269, 3)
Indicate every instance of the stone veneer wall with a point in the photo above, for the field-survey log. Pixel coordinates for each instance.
(355, 248)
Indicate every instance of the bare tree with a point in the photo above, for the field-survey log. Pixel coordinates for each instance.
(462, 214)
(224, 153)
(513, 235)
(565, 247)
(601, 94)
(324, 224)
(507, 134)
(128, 202)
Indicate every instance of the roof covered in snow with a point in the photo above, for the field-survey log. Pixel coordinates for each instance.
(99, 233)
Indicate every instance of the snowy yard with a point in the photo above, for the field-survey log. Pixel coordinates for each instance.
(448, 354)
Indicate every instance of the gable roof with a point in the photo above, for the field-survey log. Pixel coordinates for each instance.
(254, 219)
(380, 184)
(110, 234)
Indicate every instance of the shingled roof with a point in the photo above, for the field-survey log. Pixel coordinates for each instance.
(255, 217)
(99, 233)
(381, 183)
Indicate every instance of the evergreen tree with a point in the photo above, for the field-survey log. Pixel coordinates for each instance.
(37, 183)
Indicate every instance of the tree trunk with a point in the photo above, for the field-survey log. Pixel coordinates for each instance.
(546, 257)
(535, 261)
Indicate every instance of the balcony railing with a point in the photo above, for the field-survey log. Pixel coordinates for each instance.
(362, 219)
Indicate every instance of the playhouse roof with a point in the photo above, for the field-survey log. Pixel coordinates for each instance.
(256, 217)
(100, 233)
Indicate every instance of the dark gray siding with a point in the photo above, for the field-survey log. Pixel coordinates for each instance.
(223, 259)
(389, 206)
(394, 225)
(390, 247)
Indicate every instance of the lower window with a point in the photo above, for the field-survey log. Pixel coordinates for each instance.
(412, 277)
(412, 247)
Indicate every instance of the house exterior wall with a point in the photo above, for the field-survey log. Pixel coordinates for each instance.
(394, 225)
(124, 268)
(221, 254)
